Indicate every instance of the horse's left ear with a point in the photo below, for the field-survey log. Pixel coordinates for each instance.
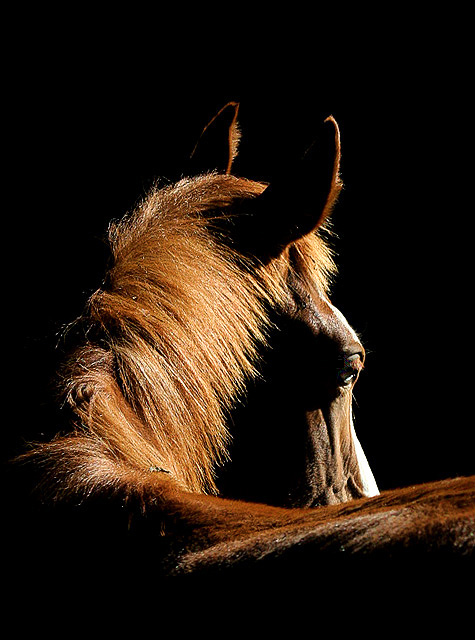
(326, 161)
(297, 201)
(306, 193)
(217, 145)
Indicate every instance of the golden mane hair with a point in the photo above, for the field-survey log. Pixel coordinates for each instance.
(180, 320)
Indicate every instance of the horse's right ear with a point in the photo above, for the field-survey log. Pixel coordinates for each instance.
(217, 145)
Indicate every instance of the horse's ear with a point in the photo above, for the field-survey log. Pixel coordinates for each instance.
(321, 172)
(306, 193)
(218, 143)
(298, 200)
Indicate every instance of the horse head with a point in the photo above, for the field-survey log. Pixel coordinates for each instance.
(213, 354)
(293, 438)
(213, 385)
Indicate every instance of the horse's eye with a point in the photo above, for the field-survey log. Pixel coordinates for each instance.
(348, 374)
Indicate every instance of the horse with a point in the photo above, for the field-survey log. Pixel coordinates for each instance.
(211, 398)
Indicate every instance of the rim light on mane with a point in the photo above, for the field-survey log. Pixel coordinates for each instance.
(214, 321)
(181, 318)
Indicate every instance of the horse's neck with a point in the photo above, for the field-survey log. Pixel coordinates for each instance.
(207, 529)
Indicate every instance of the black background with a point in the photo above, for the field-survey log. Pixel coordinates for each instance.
(90, 126)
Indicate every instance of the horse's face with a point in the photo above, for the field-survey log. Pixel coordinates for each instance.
(324, 365)
(294, 442)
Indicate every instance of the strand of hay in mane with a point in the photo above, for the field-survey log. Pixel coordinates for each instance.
(181, 318)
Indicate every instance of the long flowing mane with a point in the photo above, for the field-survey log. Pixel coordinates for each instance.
(211, 338)
(173, 335)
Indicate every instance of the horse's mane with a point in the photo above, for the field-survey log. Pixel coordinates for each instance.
(172, 337)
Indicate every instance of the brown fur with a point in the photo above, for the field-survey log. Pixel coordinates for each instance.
(179, 321)
(174, 338)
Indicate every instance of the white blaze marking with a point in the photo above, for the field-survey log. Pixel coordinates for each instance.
(370, 488)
